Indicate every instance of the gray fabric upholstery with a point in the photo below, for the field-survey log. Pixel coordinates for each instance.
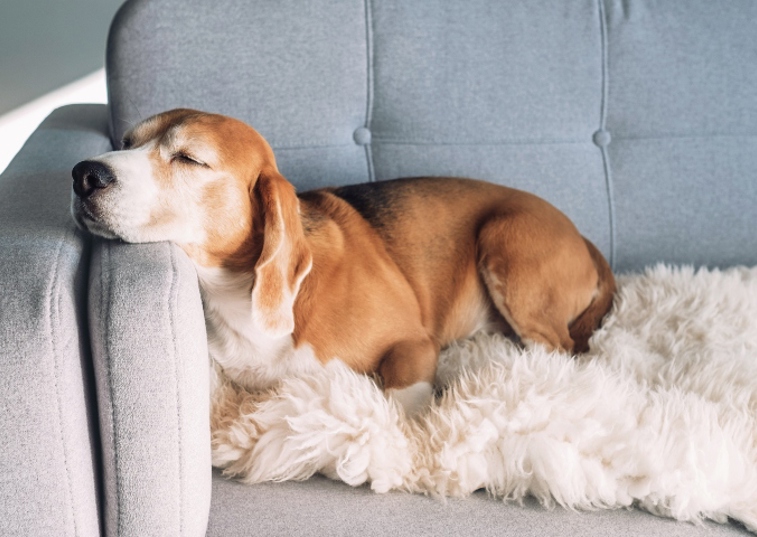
(627, 115)
(323, 507)
(503, 91)
(682, 110)
(151, 364)
(144, 318)
(283, 66)
(48, 439)
(636, 118)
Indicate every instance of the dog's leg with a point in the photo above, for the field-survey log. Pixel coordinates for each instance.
(527, 314)
(539, 279)
(408, 371)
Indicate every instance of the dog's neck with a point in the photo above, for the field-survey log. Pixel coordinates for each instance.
(246, 355)
(226, 297)
(226, 274)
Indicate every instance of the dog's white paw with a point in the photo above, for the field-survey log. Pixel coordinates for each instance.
(414, 398)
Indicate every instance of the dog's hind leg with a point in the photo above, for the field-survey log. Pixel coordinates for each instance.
(539, 275)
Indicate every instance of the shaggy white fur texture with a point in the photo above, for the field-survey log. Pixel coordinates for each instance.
(661, 414)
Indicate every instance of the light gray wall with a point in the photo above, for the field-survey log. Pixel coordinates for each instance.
(45, 44)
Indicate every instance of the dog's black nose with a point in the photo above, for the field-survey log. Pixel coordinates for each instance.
(90, 175)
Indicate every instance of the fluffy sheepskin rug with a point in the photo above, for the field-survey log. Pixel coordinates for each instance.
(661, 414)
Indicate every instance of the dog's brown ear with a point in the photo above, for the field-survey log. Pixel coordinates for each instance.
(285, 258)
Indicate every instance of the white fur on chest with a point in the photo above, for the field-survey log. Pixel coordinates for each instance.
(248, 356)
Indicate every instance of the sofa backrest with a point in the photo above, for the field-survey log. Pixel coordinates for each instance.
(637, 118)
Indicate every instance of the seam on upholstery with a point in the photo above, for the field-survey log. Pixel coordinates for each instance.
(681, 137)
(318, 145)
(389, 141)
(369, 83)
(315, 145)
(603, 57)
(173, 300)
(53, 315)
(105, 290)
(602, 125)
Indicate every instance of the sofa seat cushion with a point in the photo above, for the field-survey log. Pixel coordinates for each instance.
(320, 506)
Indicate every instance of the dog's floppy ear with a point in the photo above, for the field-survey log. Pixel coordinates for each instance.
(285, 258)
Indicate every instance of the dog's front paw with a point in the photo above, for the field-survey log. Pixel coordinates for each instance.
(233, 430)
(414, 398)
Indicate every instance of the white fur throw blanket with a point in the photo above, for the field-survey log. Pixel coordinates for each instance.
(661, 414)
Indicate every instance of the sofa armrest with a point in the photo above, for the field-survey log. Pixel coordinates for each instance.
(48, 426)
(151, 364)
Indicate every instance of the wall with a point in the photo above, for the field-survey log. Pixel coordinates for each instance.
(45, 44)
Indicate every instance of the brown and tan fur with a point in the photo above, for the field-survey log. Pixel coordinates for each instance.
(381, 275)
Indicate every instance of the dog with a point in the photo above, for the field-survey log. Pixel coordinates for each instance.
(379, 275)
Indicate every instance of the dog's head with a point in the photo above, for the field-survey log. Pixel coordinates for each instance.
(210, 184)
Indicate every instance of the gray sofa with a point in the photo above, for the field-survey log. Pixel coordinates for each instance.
(636, 118)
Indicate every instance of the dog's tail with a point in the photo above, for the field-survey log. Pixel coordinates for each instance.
(585, 324)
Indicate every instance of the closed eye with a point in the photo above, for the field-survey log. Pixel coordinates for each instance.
(184, 158)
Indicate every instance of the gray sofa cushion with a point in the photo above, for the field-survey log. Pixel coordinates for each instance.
(636, 119)
(322, 507)
(295, 70)
(682, 110)
(503, 91)
(48, 439)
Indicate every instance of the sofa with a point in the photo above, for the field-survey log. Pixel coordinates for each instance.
(637, 118)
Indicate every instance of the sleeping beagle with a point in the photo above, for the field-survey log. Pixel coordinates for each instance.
(379, 275)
